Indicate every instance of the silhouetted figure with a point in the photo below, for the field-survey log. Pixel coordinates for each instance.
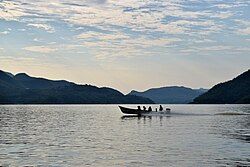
(149, 108)
(144, 108)
(168, 110)
(155, 109)
(161, 108)
(138, 107)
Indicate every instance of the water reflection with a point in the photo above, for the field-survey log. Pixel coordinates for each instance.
(158, 120)
(234, 127)
(99, 136)
(129, 117)
(238, 162)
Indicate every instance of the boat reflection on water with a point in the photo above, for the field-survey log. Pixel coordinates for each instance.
(126, 117)
(145, 119)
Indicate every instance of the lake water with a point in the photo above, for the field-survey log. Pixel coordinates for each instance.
(98, 135)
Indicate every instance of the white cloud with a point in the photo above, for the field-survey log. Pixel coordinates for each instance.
(135, 15)
(40, 49)
(245, 31)
(4, 32)
(245, 27)
(218, 48)
(224, 6)
(223, 15)
(21, 29)
(116, 45)
(45, 27)
(51, 47)
(36, 40)
(11, 10)
(102, 36)
(128, 27)
(229, 5)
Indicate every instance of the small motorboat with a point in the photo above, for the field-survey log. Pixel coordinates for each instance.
(139, 112)
(132, 111)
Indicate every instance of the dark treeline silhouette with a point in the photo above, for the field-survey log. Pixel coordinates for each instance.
(24, 89)
(236, 91)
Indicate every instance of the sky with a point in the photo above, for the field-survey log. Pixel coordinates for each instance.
(127, 44)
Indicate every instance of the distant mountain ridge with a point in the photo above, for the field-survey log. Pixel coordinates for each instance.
(170, 95)
(24, 89)
(234, 91)
(40, 83)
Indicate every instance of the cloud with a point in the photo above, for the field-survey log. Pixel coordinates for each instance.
(136, 15)
(223, 6)
(4, 32)
(245, 31)
(245, 27)
(36, 40)
(102, 36)
(51, 47)
(218, 48)
(11, 10)
(45, 27)
(117, 28)
(22, 29)
(229, 5)
(117, 45)
(98, 1)
(40, 49)
(223, 15)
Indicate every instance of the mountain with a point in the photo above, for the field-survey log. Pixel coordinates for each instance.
(230, 92)
(10, 74)
(40, 83)
(24, 89)
(8, 82)
(170, 95)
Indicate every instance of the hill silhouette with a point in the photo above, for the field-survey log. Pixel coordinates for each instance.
(230, 92)
(24, 89)
(170, 95)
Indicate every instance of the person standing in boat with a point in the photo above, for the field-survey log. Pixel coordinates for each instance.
(149, 108)
(138, 107)
(161, 108)
(144, 108)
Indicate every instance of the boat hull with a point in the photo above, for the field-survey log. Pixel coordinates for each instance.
(132, 111)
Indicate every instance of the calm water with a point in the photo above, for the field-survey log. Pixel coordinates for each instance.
(100, 136)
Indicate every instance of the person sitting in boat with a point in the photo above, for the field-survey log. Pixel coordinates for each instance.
(161, 108)
(138, 107)
(149, 108)
(168, 110)
(144, 108)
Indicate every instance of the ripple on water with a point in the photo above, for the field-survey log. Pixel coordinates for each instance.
(101, 136)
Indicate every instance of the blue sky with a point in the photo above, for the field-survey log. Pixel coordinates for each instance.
(129, 44)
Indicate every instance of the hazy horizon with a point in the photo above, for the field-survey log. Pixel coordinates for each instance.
(127, 45)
